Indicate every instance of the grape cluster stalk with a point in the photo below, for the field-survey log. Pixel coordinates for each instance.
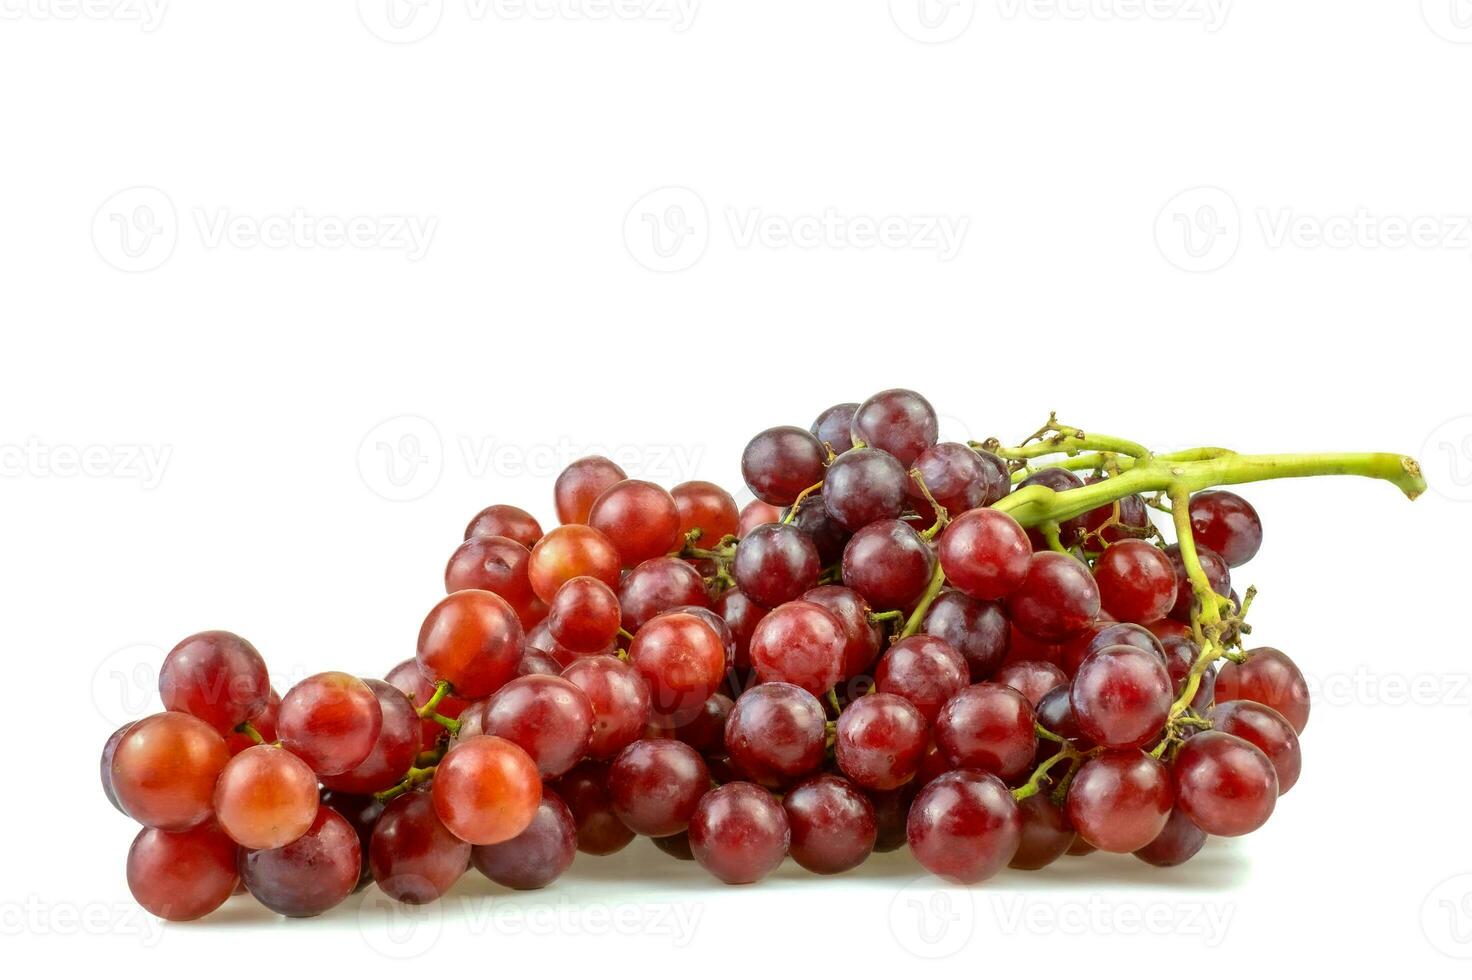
(992, 655)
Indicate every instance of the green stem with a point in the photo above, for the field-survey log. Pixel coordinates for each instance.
(1035, 783)
(413, 778)
(917, 618)
(249, 730)
(441, 691)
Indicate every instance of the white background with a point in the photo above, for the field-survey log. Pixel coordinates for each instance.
(1242, 224)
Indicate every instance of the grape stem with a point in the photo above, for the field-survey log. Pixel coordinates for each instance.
(917, 618)
(413, 778)
(427, 709)
(247, 729)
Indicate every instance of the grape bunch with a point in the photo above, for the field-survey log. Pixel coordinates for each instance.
(989, 654)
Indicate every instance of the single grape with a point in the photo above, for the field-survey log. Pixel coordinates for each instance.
(266, 797)
(710, 618)
(924, 670)
(164, 770)
(889, 564)
(659, 585)
(742, 616)
(585, 791)
(827, 535)
(800, 643)
(619, 697)
(535, 662)
(1176, 844)
(362, 812)
(1217, 573)
(1078, 648)
(776, 563)
(399, 740)
(955, 476)
(782, 462)
(1057, 599)
(899, 421)
(538, 855)
(739, 833)
(217, 677)
(584, 616)
(706, 732)
(862, 635)
(1032, 678)
(964, 826)
(1269, 731)
(413, 856)
(1024, 647)
(987, 727)
(331, 720)
(833, 427)
(1267, 677)
(504, 521)
(494, 564)
(569, 551)
(755, 514)
(1055, 713)
(1121, 697)
(832, 823)
(655, 784)
(550, 718)
(408, 678)
(473, 640)
(182, 875)
(1225, 784)
(708, 507)
(486, 789)
(1227, 524)
(863, 486)
(776, 734)
(985, 554)
(311, 874)
(976, 628)
(1119, 801)
(580, 484)
(640, 518)
(1046, 833)
(1137, 582)
(880, 741)
(682, 660)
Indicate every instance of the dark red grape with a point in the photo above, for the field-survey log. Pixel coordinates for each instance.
(863, 486)
(955, 477)
(504, 521)
(1269, 731)
(1227, 524)
(1057, 599)
(1119, 520)
(1217, 573)
(412, 854)
(264, 723)
(828, 536)
(1102, 635)
(1225, 784)
(800, 643)
(655, 784)
(891, 814)
(551, 718)
(889, 564)
(924, 670)
(659, 585)
(1268, 677)
(1121, 697)
(164, 770)
(739, 833)
(1055, 713)
(331, 720)
(776, 734)
(619, 697)
(742, 616)
(109, 748)
(1033, 678)
(538, 855)
(776, 563)
(585, 791)
(782, 462)
(1059, 480)
(676, 846)
(399, 740)
(486, 789)
(833, 824)
(494, 564)
(988, 727)
(964, 826)
(182, 875)
(362, 812)
(1119, 801)
(976, 628)
(899, 421)
(1137, 582)
(862, 636)
(580, 484)
(311, 874)
(1046, 833)
(880, 741)
(217, 677)
(985, 554)
(1176, 844)
(834, 426)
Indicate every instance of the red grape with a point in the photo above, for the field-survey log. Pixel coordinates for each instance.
(538, 855)
(569, 551)
(362, 812)
(780, 463)
(1119, 801)
(580, 484)
(1267, 677)
(1225, 784)
(755, 514)
(640, 518)
(1176, 844)
(182, 875)
(109, 748)
(964, 826)
(985, 554)
(889, 564)
(976, 628)
(655, 784)
(408, 678)
(585, 791)
(708, 507)
(832, 823)
(264, 722)
(862, 636)
(412, 854)
(1227, 524)
(899, 421)
(659, 585)
(331, 720)
(775, 563)
(311, 874)
(800, 643)
(1217, 573)
(833, 426)
(863, 486)
(584, 616)
(880, 741)
(217, 677)
(987, 727)
(1032, 678)
(486, 789)
(504, 521)
(551, 718)
(742, 616)
(776, 734)
(1057, 599)
(1137, 583)
(682, 660)
(266, 797)
(494, 564)
(924, 670)
(739, 833)
(1121, 697)
(954, 475)
(473, 640)
(164, 770)
(399, 740)
(1266, 729)
(1046, 833)
(619, 697)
